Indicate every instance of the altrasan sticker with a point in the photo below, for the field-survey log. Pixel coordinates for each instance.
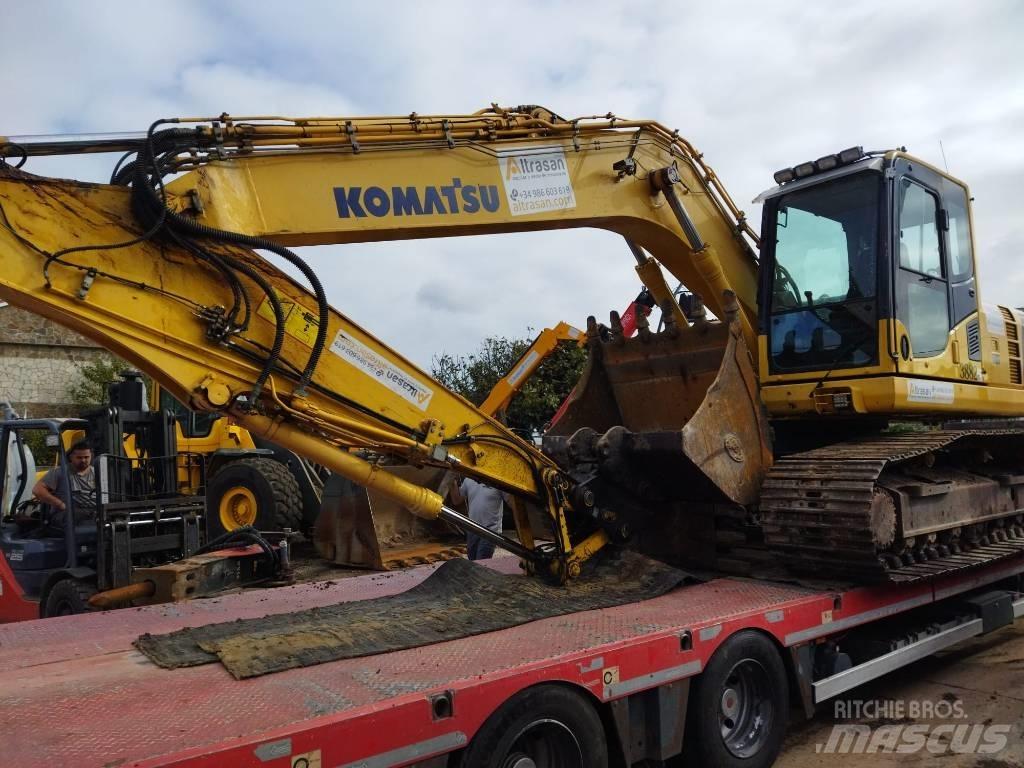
(381, 370)
(536, 179)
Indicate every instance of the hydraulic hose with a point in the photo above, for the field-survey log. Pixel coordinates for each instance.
(150, 206)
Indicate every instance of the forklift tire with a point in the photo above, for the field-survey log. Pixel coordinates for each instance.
(738, 705)
(67, 597)
(255, 491)
(549, 725)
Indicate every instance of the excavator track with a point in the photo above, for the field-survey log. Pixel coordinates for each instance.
(841, 511)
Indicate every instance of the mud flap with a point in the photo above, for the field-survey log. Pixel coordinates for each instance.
(459, 599)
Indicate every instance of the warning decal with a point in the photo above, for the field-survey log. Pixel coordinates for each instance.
(299, 323)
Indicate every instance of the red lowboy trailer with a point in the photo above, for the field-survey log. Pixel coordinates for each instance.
(76, 693)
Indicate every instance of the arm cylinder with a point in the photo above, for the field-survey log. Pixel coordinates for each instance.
(468, 526)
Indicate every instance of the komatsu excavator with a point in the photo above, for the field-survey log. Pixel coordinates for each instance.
(851, 404)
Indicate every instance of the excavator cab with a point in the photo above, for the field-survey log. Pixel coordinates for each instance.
(867, 279)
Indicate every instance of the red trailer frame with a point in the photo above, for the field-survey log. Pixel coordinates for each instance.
(76, 693)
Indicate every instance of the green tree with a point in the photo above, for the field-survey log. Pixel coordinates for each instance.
(474, 375)
(89, 389)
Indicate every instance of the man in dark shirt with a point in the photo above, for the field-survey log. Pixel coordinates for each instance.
(53, 487)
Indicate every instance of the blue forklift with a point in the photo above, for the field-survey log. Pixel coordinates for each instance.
(145, 542)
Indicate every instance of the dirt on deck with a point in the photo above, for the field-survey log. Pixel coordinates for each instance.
(974, 694)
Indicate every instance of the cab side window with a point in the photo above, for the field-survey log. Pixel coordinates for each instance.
(923, 300)
(919, 231)
(961, 258)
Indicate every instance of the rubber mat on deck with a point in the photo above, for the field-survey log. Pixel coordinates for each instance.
(459, 599)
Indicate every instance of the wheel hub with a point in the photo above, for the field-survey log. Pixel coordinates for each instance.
(730, 703)
(746, 713)
(544, 743)
(237, 508)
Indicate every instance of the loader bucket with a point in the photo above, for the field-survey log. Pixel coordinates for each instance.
(360, 528)
(666, 417)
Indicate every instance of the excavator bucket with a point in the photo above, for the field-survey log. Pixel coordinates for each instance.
(360, 528)
(666, 429)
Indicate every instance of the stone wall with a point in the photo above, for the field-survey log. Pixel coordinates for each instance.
(38, 362)
(20, 327)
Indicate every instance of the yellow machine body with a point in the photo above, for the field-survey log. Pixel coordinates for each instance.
(167, 293)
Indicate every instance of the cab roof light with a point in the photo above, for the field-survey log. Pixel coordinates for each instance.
(826, 163)
(786, 174)
(804, 170)
(850, 155)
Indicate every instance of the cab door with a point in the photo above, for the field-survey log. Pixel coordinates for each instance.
(933, 272)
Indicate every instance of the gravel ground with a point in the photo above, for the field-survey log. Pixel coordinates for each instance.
(979, 683)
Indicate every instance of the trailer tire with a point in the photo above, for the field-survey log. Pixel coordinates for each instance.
(68, 597)
(255, 491)
(738, 706)
(547, 725)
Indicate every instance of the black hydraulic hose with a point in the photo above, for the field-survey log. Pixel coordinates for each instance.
(238, 295)
(149, 203)
(149, 207)
(237, 536)
(201, 230)
(173, 134)
(215, 543)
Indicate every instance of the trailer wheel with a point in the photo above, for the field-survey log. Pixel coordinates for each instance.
(544, 727)
(68, 597)
(253, 491)
(738, 705)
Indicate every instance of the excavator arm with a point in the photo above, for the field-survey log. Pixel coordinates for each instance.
(168, 276)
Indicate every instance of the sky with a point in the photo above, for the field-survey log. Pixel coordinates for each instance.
(754, 86)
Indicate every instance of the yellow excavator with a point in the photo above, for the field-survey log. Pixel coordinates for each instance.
(848, 405)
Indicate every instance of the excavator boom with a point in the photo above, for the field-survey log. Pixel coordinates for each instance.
(167, 276)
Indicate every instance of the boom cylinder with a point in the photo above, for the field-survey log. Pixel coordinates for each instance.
(422, 502)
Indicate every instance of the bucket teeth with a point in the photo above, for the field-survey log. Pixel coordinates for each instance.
(618, 334)
(643, 328)
(669, 318)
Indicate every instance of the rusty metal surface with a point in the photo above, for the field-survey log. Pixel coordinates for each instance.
(459, 599)
(661, 431)
(361, 528)
(820, 511)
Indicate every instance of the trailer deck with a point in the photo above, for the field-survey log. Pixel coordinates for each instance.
(75, 692)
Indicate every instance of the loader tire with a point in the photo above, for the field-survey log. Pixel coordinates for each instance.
(68, 597)
(255, 491)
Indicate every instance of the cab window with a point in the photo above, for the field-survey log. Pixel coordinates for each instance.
(923, 306)
(919, 232)
(961, 258)
(193, 424)
(823, 276)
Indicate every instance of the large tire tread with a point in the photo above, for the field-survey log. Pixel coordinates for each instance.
(69, 593)
(287, 498)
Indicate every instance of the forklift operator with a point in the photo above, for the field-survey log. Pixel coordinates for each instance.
(52, 488)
